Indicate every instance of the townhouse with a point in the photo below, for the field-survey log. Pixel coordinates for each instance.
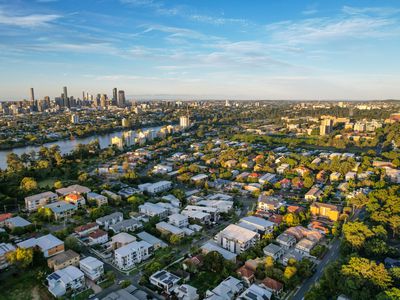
(164, 280)
(178, 220)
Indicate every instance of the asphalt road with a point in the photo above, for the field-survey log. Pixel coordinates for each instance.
(331, 255)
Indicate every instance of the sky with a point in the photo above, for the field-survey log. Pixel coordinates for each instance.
(206, 49)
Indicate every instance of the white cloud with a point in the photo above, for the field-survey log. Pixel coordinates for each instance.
(321, 29)
(32, 20)
(380, 11)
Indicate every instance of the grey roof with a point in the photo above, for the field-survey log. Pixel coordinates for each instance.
(18, 222)
(60, 206)
(151, 239)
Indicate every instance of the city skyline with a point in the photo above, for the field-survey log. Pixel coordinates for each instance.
(154, 50)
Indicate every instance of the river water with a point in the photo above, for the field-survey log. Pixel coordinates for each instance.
(67, 146)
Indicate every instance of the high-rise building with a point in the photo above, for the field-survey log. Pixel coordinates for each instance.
(103, 100)
(325, 127)
(125, 122)
(121, 98)
(64, 96)
(32, 95)
(74, 119)
(184, 121)
(115, 96)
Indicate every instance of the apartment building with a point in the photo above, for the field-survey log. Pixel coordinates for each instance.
(64, 280)
(63, 260)
(178, 220)
(109, 220)
(236, 239)
(165, 280)
(129, 255)
(92, 267)
(49, 245)
(34, 202)
(153, 210)
(325, 210)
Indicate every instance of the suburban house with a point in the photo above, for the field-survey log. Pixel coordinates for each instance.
(273, 285)
(246, 274)
(92, 267)
(73, 189)
(63, 260)
(65, 280)
(75, 199)
(152, 240)
(85, 230)
(256, 292)
(186, 292)
(236, 239)
(274, 251)
(109, 220)
(49, 245)
(268, 203)
(61, 209)
(126, 225)
(129, 255)
(212, 246)
(304, 246)
(3, 218)
(165, 280)
(98, 237)
(167, 228)
(100, 199)
(16, 222)
(34, 202)
(228, 289)
(286, 240)
(325, 210)
(313, 194)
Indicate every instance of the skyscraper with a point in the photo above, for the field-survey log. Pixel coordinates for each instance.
(115, 96)
(103, 100)
(32, 95)
(121, 98)
(65, 97)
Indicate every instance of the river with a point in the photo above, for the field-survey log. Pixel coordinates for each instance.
(67, 146)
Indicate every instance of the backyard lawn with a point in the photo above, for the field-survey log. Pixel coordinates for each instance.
(23, 286)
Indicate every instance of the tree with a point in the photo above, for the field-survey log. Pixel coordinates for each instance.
(83, 177)
(28, 184)
(361, 273)
(214, 262)
(289, 272)
(58, 184)
(392, 294)
(355, 233)
(21, 257)
(73, 244)
(269, 262)
(45, 213)
(175, 239)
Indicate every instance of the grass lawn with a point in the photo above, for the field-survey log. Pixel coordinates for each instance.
(84, 295)
(23, 286)
(106, 284)
(204, 281)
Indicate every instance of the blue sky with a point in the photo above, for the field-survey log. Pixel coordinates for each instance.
(201, 49)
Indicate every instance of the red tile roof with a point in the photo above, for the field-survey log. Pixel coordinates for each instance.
(272, 284)
(96, 234)
(85, 227)
(4, 217)
(245, 272)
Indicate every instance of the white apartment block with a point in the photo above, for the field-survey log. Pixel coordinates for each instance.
(178, 220)
(153, 210)
(214, 212)
(64, 280)
(92, 267)
(155, 188)
(236, 239)
(129, 255)
(34, 202)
